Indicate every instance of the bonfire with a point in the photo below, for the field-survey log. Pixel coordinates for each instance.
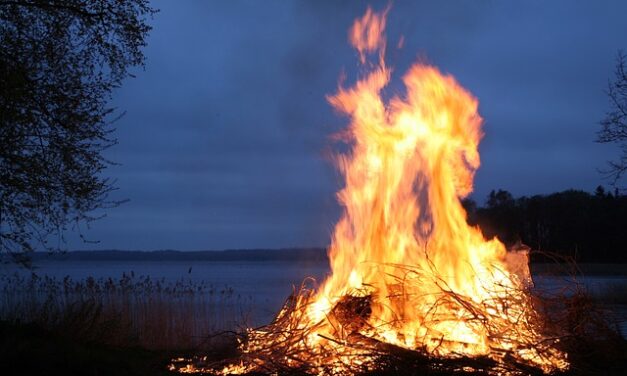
(412, 284)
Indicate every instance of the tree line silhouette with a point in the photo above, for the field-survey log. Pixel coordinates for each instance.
(573, 223)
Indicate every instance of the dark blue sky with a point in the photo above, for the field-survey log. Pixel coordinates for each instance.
(226, 135)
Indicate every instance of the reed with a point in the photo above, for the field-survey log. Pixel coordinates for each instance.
(129, 311)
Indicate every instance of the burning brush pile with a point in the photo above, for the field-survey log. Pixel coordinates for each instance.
(413, 286)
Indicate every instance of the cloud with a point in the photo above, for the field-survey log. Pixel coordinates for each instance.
(226, 131)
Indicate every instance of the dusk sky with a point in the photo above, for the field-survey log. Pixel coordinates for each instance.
(226, 138)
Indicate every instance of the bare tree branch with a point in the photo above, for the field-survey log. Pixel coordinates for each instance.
(614, 125)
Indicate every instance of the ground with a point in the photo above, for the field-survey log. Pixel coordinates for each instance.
(27, 349)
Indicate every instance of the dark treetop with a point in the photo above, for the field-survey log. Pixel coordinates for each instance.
(59, 62)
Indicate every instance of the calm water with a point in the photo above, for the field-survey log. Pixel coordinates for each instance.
(265, 284)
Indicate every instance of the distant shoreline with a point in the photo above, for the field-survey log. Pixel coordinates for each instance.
(287, 255)
(259, 255)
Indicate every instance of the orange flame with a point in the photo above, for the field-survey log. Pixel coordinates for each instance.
(366, 35)
(403, 239)
(431, 282)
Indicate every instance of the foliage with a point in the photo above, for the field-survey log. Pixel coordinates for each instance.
(589, 227)
(59, 63)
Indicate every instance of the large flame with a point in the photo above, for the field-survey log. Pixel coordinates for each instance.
(403, 239)
(407, 269)
(411, 162)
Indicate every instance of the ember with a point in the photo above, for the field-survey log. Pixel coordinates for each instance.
(412, 283)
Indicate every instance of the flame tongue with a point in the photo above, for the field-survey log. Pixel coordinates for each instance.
(407, 270)
(420, 148)
(432, 281)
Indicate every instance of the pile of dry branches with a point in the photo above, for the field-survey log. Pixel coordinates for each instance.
(568, 322)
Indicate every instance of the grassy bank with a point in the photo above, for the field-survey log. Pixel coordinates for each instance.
(126, 326)
(138, 311)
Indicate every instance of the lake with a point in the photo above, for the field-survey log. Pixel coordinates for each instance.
(264, 284)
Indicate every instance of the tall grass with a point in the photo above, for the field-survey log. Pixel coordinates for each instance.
(154, 314)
